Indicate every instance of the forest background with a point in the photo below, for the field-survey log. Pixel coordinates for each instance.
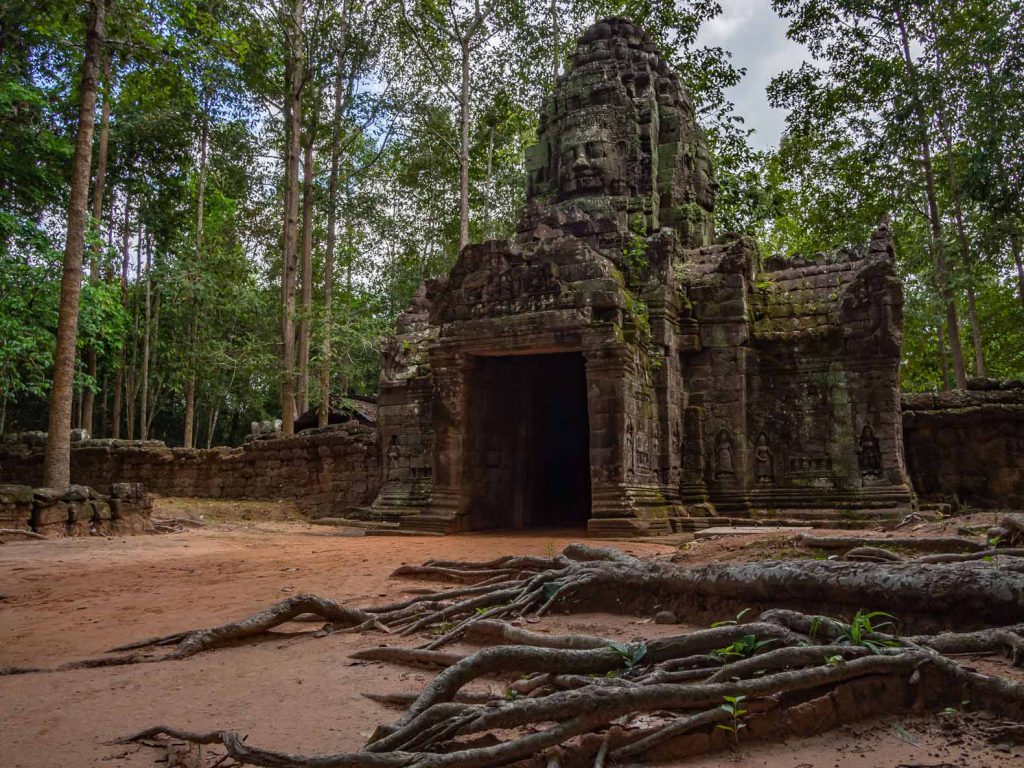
(264, 184)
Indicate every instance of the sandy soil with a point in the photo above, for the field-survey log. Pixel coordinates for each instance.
(75, 598)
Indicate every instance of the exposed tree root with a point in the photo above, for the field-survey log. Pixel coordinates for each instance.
(582, 700)
(1010, 531)
(942, 549)
(584, 577)
(413, 656)
(932, 544)
(20, 532)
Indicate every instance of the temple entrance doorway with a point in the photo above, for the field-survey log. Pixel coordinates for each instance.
(527, 449)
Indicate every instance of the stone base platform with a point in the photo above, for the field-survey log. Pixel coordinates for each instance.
(372, 522)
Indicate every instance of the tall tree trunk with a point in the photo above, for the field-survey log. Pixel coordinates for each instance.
(961, 236)
(188, 439)
(146, 329)
(307, 270)
(293, 128)
(97, 213)
(190, 412)
(131, 370)
(115, 409)
(464, 149)
(555, 52)
(1019, 261)
(211, 426)
(57, 459)
(154, 350)
(323, 412)
(943, 357)
(972, 320)
(490, 182)
(938, 253)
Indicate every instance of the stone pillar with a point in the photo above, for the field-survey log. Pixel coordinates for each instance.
(623, 502)
(448, 502)
(406, 441)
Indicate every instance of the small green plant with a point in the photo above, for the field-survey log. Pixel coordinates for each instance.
(442, 628)
(634, 253)
(816, 622)
(733, 706)
(834, 661)
(743, 648)
(631, 654)
(862, 630)
(731, 622)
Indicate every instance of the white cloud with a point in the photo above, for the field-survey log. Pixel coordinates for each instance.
(756, 36)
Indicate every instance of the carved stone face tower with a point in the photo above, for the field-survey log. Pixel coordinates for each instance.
(620, 126)
(613, 366)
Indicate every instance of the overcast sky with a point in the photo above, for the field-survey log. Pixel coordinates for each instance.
(756, 36)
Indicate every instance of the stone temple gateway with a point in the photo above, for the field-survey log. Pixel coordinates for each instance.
(619, 366)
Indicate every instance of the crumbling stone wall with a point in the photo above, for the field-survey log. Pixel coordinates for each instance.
(76, 511)
(968, 444)
(323, 471)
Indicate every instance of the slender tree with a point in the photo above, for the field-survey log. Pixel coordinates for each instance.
(57, 461)
(942, 274)
(332, 217)
(305, 318)
(292, 20)
(466, 35)
(97, 214)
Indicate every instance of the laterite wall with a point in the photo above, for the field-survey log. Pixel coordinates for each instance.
(323, 471)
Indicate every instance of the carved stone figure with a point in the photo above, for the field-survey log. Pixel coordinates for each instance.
(392, 455)
(869, 456)
(723, 454)
(763, 460)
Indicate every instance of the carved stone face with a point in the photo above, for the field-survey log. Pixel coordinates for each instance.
(704, 185)
(590, 162)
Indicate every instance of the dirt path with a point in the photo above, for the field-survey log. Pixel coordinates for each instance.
(75, 598)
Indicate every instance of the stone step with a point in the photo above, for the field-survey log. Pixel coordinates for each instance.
(344, 522)
(749, 530)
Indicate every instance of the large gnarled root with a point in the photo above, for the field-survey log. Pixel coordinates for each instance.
(1005, 540)
(585, 577)
(440, 725)
(593, 687)
(195, 641)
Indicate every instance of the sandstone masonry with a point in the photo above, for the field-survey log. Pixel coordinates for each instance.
(618, 365)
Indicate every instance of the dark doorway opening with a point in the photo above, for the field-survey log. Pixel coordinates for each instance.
(527, 449)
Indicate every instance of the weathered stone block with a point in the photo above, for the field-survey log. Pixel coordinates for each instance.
(80, 511)
(16, 494)
(52, 514)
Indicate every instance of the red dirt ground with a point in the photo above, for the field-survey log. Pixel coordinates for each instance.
(75, 598)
